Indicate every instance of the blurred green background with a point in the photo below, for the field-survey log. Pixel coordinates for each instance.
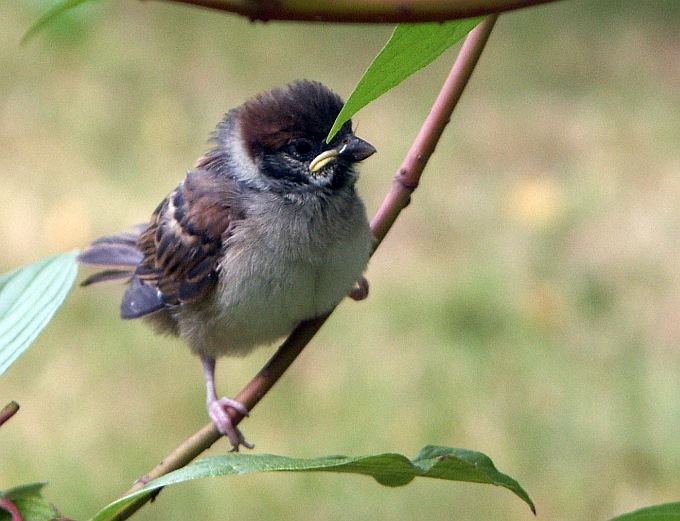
(525, 305)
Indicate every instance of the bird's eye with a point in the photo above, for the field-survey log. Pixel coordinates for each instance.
(300, 148)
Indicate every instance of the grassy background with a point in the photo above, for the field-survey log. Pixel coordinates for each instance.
(526, 304)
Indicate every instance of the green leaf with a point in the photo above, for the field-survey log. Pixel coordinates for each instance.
(392, 470)
(29, 502)
(466, 465)
(410, 48)
(29, 297)
(50, 15)
(665, 512)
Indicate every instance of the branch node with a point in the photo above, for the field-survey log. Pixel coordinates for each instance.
(405, 179)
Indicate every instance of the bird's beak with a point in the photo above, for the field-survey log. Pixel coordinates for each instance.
(353, 149)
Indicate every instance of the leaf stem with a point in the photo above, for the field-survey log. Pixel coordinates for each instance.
(9, 507)
(406, 181)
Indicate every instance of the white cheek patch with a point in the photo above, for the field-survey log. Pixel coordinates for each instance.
(242, 164)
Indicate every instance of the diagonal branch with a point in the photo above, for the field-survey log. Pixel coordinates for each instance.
(405, 182)
(363, 11)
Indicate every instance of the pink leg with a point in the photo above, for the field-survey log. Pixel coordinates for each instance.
(217, 408)
(361, 290)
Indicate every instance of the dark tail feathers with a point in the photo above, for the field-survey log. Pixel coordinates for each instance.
(118, 253)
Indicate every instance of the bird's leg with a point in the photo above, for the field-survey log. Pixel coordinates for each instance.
(360, 292)
(217, 408)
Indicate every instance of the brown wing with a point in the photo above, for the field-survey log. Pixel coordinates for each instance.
(182, 244)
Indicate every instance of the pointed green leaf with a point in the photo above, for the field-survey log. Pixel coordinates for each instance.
(28, 500)
(392, 470)
(29, 297)
(48, 16)
(664, 512)
(410, 48)
(466, 465)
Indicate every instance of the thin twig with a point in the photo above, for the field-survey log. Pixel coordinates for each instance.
(408, 176)
(8, 411)
(405, 183)
(363, 11)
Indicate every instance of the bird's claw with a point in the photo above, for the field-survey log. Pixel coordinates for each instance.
(234, 404)
(217, 410)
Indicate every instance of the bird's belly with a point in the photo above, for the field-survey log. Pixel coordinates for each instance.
(264, 303)
(263, 307)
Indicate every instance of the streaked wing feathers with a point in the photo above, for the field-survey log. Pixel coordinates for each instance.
(182, 244)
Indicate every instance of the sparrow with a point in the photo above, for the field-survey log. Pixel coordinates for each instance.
(266, 230)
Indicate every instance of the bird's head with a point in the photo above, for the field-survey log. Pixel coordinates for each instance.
(281, 143)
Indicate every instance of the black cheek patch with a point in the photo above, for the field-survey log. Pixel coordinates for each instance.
(276, 167)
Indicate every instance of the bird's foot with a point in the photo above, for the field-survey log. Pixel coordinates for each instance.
(217, 410)
(234, 404)
(360, 292)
